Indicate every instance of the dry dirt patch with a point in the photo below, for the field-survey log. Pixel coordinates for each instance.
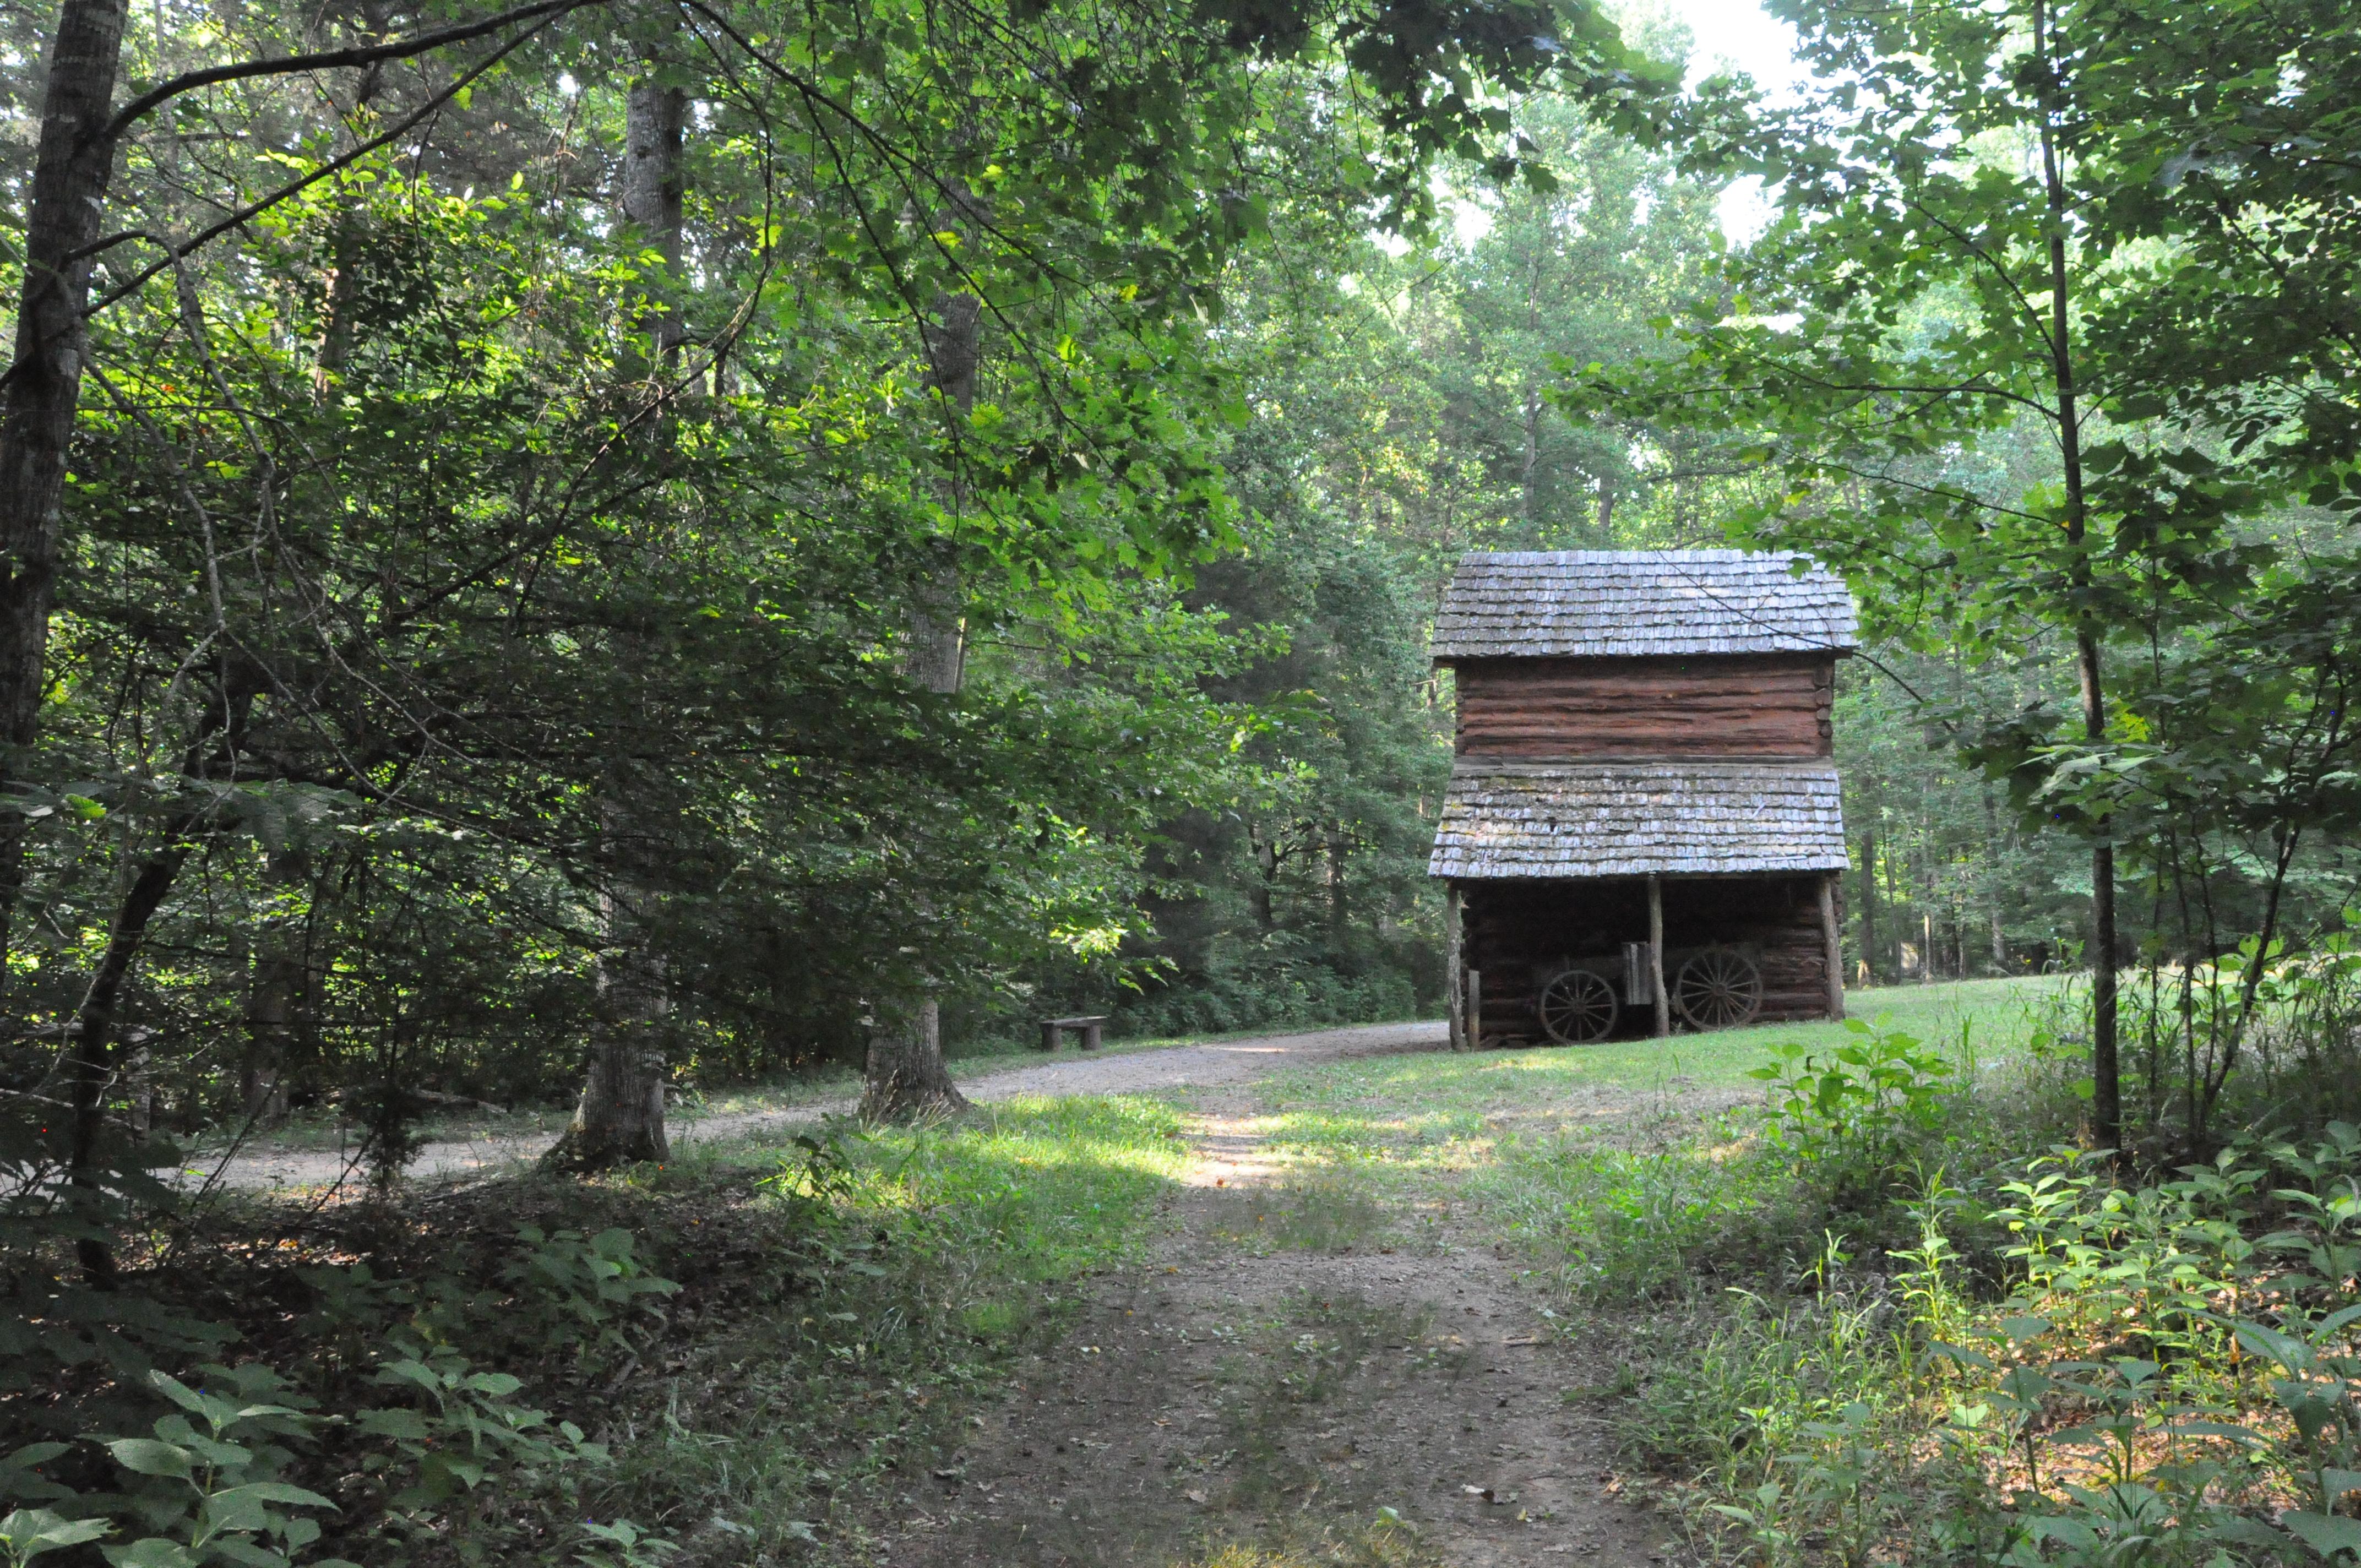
(1289, 1365)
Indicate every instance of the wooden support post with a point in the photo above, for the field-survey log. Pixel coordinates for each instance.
(1474, 1009)
(1454, 963)
(1090, 1034)
(1832, 941)
(1048, 1037)
(1656, 956)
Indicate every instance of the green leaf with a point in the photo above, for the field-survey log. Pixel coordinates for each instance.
(2272, 1346)
(2021, 1329)
(2324, 1533)
(153, 1552)
(31, 1531)
(147, 1456)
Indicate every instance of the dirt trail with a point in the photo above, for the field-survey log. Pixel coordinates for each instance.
(1290, 1363)
(1228, 1061)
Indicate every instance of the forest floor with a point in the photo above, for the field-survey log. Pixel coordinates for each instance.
(491, 1145)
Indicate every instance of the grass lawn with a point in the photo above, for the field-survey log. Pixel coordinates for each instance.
(1450, 1110)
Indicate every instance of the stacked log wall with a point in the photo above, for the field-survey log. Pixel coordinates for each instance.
(1755, 705)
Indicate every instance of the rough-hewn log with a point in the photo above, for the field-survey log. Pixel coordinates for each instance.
(1768, 706)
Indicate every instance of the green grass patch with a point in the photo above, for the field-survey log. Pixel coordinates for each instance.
(934, 1258)
(1504, 1118)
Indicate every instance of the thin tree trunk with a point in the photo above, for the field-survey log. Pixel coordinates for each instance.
(1530, 468)
(1993, 843)
(1868, 904)
(277, 997)
(348, 249)
(2106, 1077)
(905, 1078)
(1336, 910)
(72, 166)
(620, 1119)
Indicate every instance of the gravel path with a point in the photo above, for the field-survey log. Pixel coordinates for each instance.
(1229, 1061)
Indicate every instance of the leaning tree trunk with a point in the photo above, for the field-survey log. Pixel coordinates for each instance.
(90, 1067)
(905, 1078)
(72, 168)
(620, 1119)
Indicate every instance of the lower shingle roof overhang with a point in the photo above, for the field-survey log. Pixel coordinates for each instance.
(1556, 821)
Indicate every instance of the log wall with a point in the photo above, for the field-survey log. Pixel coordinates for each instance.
(1520, 934)
(1752, 705)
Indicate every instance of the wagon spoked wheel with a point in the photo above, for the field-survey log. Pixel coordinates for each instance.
(1719, 989)
(1579, 1007)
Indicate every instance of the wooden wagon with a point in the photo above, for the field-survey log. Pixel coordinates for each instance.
(1644, 829)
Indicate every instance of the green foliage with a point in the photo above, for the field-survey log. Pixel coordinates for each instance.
(2160, 1372)
(219, 1495)
(1855, 1115)
(588, 1289)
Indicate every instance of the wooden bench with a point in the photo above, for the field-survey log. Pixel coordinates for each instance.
(1052, 1027)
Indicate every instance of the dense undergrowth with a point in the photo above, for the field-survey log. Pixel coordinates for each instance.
(723, 1360)
(1904, 1317)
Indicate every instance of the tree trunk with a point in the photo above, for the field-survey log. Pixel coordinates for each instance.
(1266, 859)
(655, 118)
(620, 1119)
(91, 1069)
(277, 997)
(1337, 844)
(1530, 471)
(2107, 1078)
(1994, 841)
(905, 1079)
(1868, 904)
(71, 168)
(341, 296)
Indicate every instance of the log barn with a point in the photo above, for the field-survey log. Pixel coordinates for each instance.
(1644, 830)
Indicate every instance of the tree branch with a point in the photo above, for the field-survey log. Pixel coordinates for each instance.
(365, 54)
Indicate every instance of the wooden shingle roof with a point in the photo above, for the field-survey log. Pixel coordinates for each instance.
(1598, 819)
(1622, 603)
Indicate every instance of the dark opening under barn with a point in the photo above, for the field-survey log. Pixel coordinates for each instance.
(1645, 829)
